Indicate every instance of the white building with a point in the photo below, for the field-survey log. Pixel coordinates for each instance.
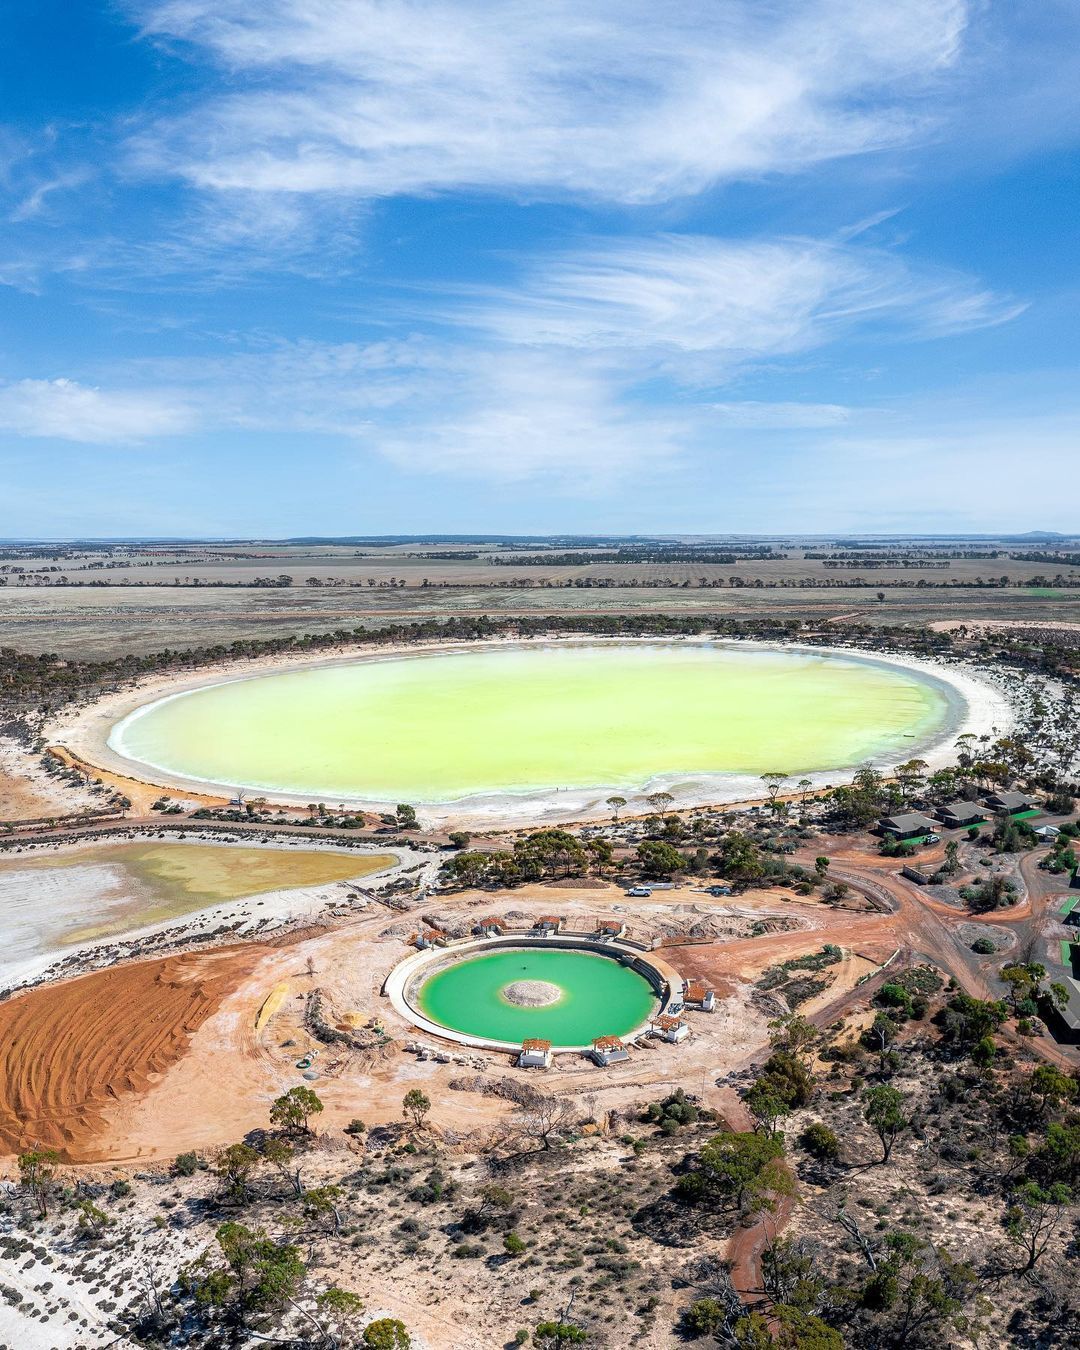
(535, 1055)
(697, 994)
(610, 928)
(608, 1050)
(667, 1028)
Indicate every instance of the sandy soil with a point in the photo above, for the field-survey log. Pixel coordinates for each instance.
(982, 625)
(27, 792)
(980, 707)
(145, 1060)
(68, 1052)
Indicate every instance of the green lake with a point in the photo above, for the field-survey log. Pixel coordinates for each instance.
(597, 997)
(532, 718)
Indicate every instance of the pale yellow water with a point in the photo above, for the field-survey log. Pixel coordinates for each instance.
(104, 890)
(533, 717)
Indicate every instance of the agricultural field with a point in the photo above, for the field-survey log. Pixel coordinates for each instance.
(96, 603)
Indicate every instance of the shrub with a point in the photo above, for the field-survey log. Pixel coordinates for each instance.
(387, 1334)
(984, 946)
(186, 1164)
(703, 1318)
(513, 1244)
(820, 1141)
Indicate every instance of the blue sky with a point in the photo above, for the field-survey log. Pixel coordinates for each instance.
(330, 266)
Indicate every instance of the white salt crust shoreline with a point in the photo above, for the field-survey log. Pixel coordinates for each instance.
(976, 706)
(279, 906)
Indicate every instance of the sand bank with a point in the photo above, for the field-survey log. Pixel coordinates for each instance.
(975, 705)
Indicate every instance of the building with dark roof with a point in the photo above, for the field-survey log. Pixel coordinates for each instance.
(907, 825)
(959, 813)
(1011, 802)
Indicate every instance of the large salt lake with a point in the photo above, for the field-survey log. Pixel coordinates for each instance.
(533, 718)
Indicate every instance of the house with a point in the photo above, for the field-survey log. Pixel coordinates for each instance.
(610, 928)
(1064, 1021)
(959, 813)
(697, 994)
(1069, 913)
(1010, 802)
(907, 825)
(667, 1028)
(608, 1050)
(430, 936)
(489, 927)
(535, 1055)
(547, 924)
(1046, 832)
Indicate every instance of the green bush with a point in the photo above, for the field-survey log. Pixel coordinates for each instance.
(820, 1141)
(705, 1317)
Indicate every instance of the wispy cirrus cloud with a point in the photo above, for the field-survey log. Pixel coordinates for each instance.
(757, 415)
(592, 366)
(525, 415)
(753, 297)
(66, 410)
(624, 100)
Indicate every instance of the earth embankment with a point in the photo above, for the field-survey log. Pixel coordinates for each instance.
(69, 1051)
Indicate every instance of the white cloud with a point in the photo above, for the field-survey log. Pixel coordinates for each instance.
(745, 298)
(583, 370)
(36, 199)
(628, 100)
(485, 411)
(77, 412)
(523, 415)
(760, 416)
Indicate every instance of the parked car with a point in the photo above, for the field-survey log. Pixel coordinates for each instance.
(641, 892)
(718, 890)
(931, 839)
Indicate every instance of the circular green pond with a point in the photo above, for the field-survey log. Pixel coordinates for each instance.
(565, 997)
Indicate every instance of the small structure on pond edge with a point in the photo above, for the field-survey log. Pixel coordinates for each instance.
(547, 924)
(535, 1055)
(697, 994)
(610, 928)
(668, 1028)
(608, 1050)
(430, 936)
(489, 926)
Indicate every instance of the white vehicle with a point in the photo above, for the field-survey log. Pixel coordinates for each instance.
(640, 891)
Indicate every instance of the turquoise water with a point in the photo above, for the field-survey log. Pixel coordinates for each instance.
(600, 997)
